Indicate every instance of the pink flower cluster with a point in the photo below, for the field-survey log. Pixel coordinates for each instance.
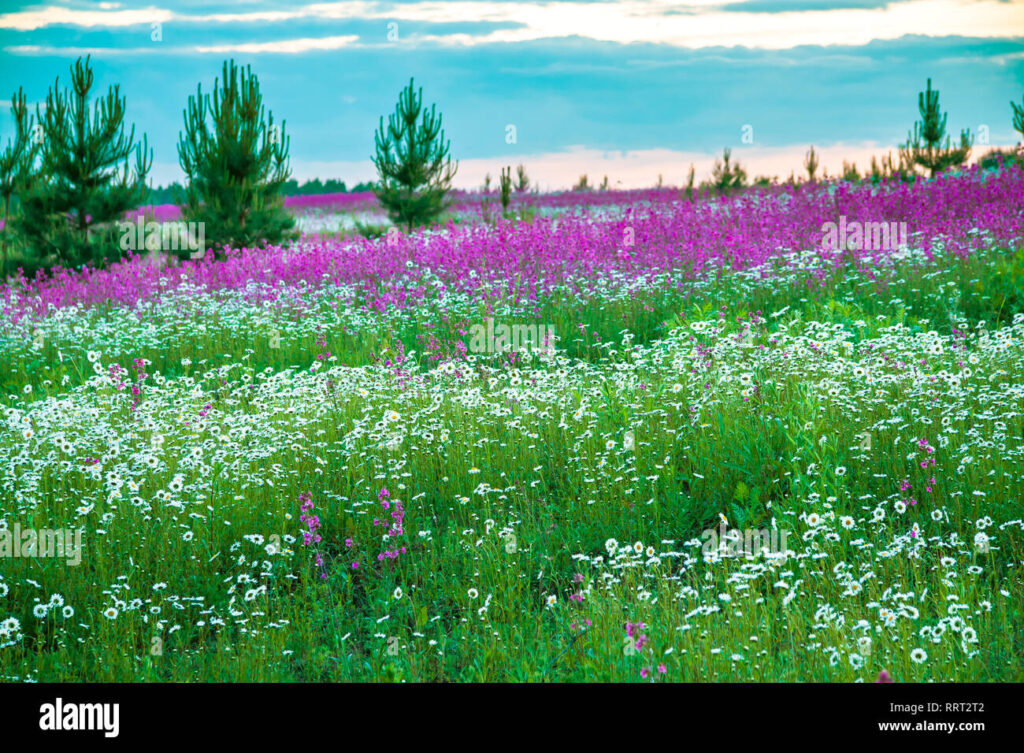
(395, 529)
(929, 481)
(312, 522)
(116, 373)
(635, 631)
(962, 211)
(311, 536)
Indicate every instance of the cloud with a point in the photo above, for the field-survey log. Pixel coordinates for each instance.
(789, 6)
(332, 79)
(29, 20)
(693, 25)
(288, 46)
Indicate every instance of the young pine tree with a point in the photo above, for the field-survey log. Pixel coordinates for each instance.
(505, 185)
(927, 145)
(1018, 119)
(413, 164)
(811, 164)
(726, 175)
(84, 184)
(876, 171)
(236, 162)
(16, 161)
(522, 179)
(690, 177)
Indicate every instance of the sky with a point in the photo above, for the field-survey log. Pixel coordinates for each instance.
(631, 89)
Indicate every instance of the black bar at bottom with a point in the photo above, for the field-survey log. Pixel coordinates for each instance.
(965, 713)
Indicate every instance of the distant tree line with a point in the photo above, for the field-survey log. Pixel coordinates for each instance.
(166, 194)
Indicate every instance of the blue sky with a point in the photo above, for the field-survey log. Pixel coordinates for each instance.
(631, 89)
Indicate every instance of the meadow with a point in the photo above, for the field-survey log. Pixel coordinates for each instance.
(296, 464)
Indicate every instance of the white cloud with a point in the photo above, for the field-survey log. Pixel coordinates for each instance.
(635, 21)
(290, 46)
(282, 46)
(690, 25)
(29, 20)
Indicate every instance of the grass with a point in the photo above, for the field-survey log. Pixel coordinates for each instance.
(775, 399)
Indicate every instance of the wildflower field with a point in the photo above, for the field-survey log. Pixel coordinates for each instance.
(329, 461)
